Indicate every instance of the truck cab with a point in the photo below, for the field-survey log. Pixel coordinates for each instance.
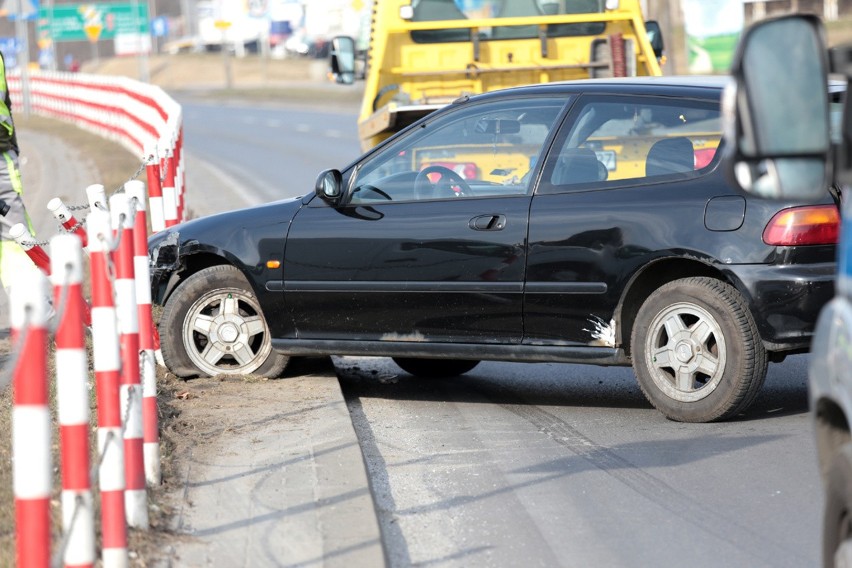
(423, 54)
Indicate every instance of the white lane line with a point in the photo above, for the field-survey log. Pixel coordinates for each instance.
(303, 128)
(332, 133)
(273, 123)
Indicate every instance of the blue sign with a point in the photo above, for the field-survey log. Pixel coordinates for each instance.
(160, 26)
(29, 8)
(10, 46)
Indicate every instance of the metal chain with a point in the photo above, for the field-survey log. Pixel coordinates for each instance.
(142, 166)
(120, 188)
(59, 555)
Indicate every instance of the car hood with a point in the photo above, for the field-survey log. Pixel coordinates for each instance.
(217, 230)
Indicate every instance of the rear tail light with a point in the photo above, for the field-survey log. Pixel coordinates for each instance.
(797, 226)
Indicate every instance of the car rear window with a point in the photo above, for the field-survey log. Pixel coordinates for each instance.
(613, 140)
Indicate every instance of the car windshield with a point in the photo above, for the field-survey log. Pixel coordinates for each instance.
(492, 147)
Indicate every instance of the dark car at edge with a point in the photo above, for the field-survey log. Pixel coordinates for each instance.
(584, 222)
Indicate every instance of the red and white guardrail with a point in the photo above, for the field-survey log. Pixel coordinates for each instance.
(145, 120)
(139, 116)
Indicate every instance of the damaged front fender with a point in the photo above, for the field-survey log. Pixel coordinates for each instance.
(164, 262)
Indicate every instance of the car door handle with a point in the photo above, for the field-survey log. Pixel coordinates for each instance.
(488, 223)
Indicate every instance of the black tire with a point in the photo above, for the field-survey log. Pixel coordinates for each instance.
(696, 351)
(198, 322)
(435, 368)
(837, 519)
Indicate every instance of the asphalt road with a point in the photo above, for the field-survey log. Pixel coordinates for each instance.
(269, 152)
(538, 465)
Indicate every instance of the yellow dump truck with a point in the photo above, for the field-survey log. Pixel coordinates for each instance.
(424, 54)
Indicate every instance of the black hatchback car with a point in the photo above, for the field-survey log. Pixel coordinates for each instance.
(585, 222)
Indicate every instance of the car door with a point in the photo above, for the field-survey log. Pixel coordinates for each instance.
(428, 243)
(623, 183)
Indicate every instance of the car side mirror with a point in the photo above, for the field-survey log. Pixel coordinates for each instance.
(329, 186)
(655, 37)
(775, 110)
(343, 59)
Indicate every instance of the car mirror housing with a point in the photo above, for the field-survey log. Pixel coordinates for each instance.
(343, 59)
(655, 36)
(776, 110)
(329, 186)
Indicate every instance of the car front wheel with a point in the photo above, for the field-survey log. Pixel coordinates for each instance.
(696, 351)
(435, 368)
(212, 324)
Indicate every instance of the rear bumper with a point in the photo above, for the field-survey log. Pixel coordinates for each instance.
(786, 300)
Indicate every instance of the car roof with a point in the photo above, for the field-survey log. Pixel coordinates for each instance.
(708, 81)
(711, 85)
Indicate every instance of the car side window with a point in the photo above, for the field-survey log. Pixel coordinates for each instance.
(626, 140)
(477, 150)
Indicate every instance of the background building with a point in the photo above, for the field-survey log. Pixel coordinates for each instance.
(282, 28)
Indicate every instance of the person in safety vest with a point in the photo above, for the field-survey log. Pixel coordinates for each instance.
(13, 259)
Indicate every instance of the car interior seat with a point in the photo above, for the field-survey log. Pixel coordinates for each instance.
(670, 156)
(436, 10)
(578, 165)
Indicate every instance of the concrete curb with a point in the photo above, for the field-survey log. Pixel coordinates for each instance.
(283, 483)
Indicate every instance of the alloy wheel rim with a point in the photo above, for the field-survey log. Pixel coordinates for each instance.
(225, 333)
(685, 352)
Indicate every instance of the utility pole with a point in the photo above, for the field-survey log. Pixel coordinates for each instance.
(188, 19)
(22, 32)
(141, 44)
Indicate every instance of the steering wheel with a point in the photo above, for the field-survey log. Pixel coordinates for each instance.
(376, 190)
(444, 187)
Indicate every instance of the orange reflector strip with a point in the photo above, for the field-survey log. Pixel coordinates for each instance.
(273, 264)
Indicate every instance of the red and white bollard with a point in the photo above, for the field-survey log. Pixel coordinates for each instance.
(155, 190)
(135, 497)
(106, 363)
(170, 203)
(96, 195)
(31, 425)
(66, 219)
(136, 190)
(23, 237)
(72, 395)
(179, 172)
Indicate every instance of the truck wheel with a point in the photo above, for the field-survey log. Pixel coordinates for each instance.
(696, 351)
(212, 324)
(837, 520)
(435, 368)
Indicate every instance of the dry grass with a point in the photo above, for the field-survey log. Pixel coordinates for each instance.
(113, 162)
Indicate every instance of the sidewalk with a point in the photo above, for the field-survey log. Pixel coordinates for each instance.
(270, 473)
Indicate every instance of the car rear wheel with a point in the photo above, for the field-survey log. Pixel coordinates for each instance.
(696, 351)
(837, 519)
(436, 368)
(212, 324)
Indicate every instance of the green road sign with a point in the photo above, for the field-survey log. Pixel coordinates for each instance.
(92, 22)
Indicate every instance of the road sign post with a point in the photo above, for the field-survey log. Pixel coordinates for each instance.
(223, 26)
